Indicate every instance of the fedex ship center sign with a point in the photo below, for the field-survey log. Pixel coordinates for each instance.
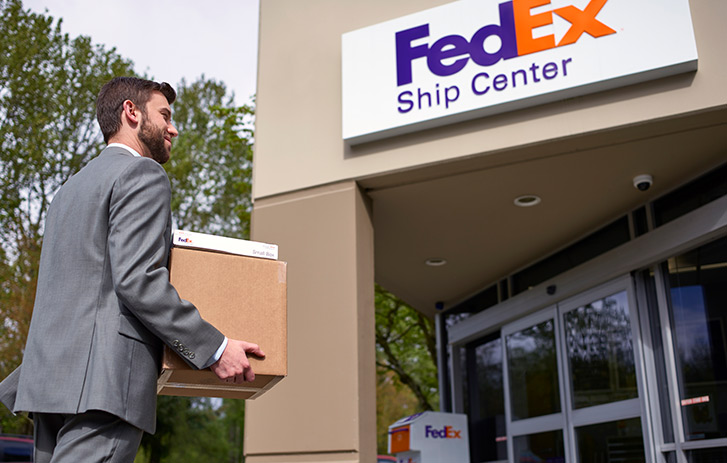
(474, 58)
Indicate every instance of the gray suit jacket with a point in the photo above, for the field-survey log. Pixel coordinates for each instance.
(104, 304)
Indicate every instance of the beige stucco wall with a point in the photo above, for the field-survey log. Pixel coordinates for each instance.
(298, 129)
(325, 410)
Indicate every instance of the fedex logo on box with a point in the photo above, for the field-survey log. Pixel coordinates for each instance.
(447, 432)
(474, 58)
(450, 54)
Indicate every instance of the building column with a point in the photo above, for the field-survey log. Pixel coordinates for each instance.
(325, 410)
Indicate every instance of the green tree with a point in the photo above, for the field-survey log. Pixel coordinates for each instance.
(405, 355)
(48, 88)
(190, 429)
(406, 345)
(211, 165)
(233, 417)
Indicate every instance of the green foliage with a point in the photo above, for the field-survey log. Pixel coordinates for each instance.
(406, 363)
(48, 88)
(195, 429)
(406, 345)
(211, 165)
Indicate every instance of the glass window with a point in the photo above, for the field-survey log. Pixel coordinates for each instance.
(476, 304)
(533, 371)
(691, 196)
(716, 455)
(600, 352)
(488, 433)
(618, 441)
(641, 225)
(592, 333)
(540, 447)
(697, 283)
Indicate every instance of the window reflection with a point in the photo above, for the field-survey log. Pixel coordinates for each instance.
(670, 457)
(533, 372)
(617, 441)
(540, 447)
(716, 455)
(488, 433)
(698, 296)
(600, 352)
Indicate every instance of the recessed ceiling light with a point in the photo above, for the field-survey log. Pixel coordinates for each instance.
(435, 262)
(527, 201)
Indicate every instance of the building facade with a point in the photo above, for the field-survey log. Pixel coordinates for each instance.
(545, 178)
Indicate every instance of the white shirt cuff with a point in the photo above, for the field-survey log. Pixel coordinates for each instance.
(218, 354)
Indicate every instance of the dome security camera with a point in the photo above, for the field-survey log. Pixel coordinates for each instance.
(643, 182)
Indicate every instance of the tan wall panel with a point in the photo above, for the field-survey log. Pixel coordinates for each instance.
(327, 404)
(366, 329)
(298, 129)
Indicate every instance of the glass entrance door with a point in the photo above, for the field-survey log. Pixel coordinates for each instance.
(533, 389)
(695, 314)
(572, 381)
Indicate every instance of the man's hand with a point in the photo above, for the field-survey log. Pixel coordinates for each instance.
(233, 366)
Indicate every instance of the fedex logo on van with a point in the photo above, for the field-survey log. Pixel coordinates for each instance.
(449, 55)
(447, 432)
(184, 240)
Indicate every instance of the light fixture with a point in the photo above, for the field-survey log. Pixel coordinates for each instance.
(527, 201)
(435, 262)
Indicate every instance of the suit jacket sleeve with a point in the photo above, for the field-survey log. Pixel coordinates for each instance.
(138, 215)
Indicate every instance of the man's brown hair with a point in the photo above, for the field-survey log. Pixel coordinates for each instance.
(119, 89)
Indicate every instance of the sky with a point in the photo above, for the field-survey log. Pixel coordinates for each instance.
(171, 39)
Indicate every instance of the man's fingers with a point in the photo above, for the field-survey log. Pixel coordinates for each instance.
(234, 366)
(247, 376)
(255, 350)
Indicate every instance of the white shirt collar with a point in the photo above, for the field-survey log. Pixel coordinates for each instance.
(126, 147)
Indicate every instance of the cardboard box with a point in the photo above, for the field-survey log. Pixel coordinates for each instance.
(246, 299)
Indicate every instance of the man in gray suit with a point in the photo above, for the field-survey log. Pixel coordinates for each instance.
(104, 306)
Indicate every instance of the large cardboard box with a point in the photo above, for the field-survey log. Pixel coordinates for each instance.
(246, 299)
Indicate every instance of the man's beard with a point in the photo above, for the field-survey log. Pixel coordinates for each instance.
(153, 139)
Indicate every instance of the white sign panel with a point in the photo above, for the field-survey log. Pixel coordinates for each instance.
(473, 58)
